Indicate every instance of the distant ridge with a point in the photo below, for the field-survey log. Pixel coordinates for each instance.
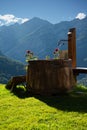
(42, 37)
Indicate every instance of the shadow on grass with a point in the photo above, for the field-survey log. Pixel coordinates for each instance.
(76, 103)
(66, 102)
(20, 92)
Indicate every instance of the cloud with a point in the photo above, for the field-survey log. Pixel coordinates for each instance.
(9, 19)
(80, 16)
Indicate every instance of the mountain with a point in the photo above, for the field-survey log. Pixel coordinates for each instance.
(42, 37)
(9, 67)
(37, 35)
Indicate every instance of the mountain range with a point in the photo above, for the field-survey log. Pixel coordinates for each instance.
(41, 37)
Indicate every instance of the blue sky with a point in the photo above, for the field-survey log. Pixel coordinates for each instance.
(52, 10)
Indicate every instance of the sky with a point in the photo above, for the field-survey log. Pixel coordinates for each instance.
(54, 11)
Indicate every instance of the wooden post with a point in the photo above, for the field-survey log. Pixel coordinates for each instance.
(72, 46)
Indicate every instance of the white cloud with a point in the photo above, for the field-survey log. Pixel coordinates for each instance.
(9, 19)
(80, 16)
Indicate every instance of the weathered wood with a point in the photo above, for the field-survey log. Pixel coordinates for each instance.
(78, 70)
(72, 46)
(49, 76)
(72, 53)
(14, 81)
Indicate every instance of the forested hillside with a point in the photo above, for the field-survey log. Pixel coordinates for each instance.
(9, 67)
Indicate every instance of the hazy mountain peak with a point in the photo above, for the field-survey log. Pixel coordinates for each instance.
(37, 20)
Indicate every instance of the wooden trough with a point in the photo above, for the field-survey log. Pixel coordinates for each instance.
(49, 76)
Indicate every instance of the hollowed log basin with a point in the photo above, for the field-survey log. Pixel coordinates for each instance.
(49, 76)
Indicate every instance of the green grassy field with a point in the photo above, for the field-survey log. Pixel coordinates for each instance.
(21, 111)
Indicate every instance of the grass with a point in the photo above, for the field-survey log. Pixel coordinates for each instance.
(21, 111)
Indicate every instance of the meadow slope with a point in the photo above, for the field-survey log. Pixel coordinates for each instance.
(22, 111)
